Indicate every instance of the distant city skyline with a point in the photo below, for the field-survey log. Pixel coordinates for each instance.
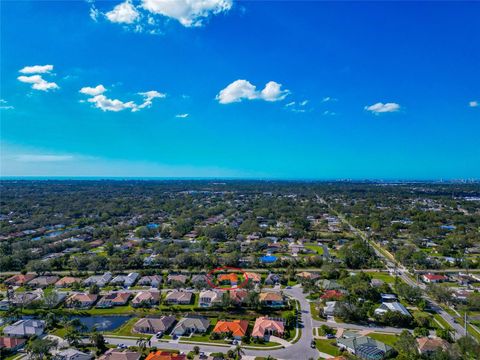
(226, 89)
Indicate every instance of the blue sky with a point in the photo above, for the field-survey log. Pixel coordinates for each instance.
(314, 90)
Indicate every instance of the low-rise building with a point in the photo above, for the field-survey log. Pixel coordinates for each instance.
(151, 280)
(191, 324)
(265, 326)
(146, 299)
(209, 298)
(365, 347)
(117, 354)
(43, 281)
(179, 297)
(19, 279)
(81, 300)
(427, 345)
(67, 281)
(71, 354)
(154, 325)
(391, 306)
(238, 328)
(11, 343)
(99, 280)
(177, 278)
(165, 355)
(114, 298)
(271, 299)
(125, 280)
(434, 278)
(25, 328)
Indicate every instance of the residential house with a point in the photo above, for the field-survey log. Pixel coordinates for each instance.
(230, 278)
(154, 325)
(238, 296)
(177, 278)
(365, 347)
(461, 295)
(427, 345)
(391, 306)
(81, 300)
(25, 328)
(264, 327)
(271, 299)
(377, 282)
(151, 280)
(199, 280)
(179, 297)
(99, 280)
(67, 281)
(326, 284)
(11, 343)
(332, 295)
(43, 281)
(434, 278)
(191, 324)
(26, 298)
(329, 309)
(4, 304)
(19, 280)
(238, 328)
(254, 278)
(125, 280)
(117, 354)
(389, 297)
(209, 298)
(273, 279)
(146, 298)
(165, 355)
(306, 275)
(71, 354)
(114, 298)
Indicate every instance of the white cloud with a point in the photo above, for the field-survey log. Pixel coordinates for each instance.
(243, 89)
(383, 108)
(4, 105)
(473, 103)
(97, 90)
(94, 13)
(329, 113)
(42, 158)
(188, 12)
(38, 83)
(298, 106)
(182, 116)
(36, 69)
(290, 104)
(124, 13)
(100, 101)
(304, 102)
(328, 99)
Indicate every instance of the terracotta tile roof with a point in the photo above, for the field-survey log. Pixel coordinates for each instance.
(270, 296)
(254, 276)
(114, 354)
(238, 295)
(332, 294)
(262, 324)
(19, 279)
(237, 327)
(165, 355)
(233, 278)
(67, 280)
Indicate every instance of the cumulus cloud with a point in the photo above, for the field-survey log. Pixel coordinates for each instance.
(4, 105)
(93, 91)
(124, 13)
(36, 69)
(188, 12)
(242, 89)
(38, 83)
(102, 102)
(473, 103)
(379, 108)
(182, 116)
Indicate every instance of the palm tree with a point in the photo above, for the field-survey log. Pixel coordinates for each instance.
(238, 351)
(73, 337)
(142, 343)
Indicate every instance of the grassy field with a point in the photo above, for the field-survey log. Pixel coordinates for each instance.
(385, 277)
(314, 312)
(388, 339)
(126, 329)
(327, 346)
(317, 248)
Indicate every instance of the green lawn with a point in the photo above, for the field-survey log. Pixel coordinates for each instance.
(317, 248)
(441, 321)
(126, 329)
(388, 339)
(385, 277)
(314, 312)
(328, 347)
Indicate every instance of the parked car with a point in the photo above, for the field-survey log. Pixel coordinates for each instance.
(330, 336)
(312, 344)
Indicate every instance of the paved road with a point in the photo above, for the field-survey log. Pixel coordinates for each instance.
(402, 272)
(301, 350)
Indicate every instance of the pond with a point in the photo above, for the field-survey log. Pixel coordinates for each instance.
(102, 323)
